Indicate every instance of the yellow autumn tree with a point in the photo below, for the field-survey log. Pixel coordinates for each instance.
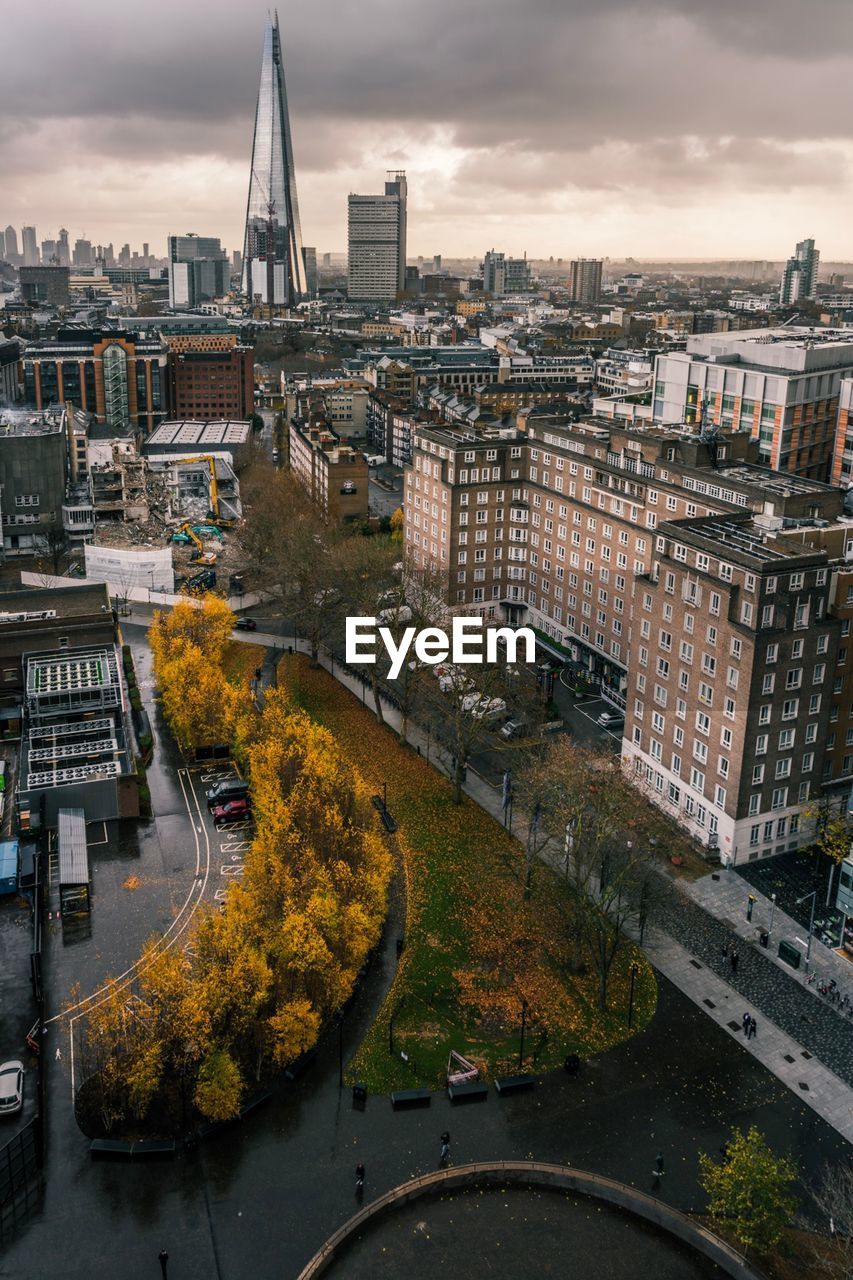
(198, 702)
(207, 624)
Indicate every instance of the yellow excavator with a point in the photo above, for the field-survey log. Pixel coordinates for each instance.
(214, 488)
(186, 533)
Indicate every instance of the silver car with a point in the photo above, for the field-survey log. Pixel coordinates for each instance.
(11, 1087)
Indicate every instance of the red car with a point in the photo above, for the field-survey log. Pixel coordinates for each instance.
(233, 811)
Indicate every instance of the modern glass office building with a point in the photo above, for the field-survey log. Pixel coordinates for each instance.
(273, 263)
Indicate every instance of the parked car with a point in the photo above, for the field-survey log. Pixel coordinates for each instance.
(611, 719)
(232, 810)
(11, 1087)
(513, 729)
(245, 624)
(228, 789)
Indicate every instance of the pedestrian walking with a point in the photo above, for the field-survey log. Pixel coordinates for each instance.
(359, 1178)
(163, 1259)
(445, 1147)
(734, 957)
(746, 1021)
(725, 952)
(753, 1029)
(657, 1172)
(58, 1054)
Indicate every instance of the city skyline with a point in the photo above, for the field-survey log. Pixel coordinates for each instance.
(602, 140)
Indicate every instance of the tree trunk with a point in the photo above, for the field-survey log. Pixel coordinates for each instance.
(377, 701)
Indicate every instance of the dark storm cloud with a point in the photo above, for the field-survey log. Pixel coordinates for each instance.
(566, 101)
(551, 74)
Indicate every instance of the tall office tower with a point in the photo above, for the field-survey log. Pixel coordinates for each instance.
(273, 267)
(198, 270)
(11, 244)
(585, 280)
(82, 255)
(377, 242)
(2, 246)
(63, 248)
(30, 246)
(436, 263)
(124, 256)
(327, 260)
(49, 254)
(109, 255)
(309, 257)
(799, 279)
(145, 253)
(494, 272)
(237, 262)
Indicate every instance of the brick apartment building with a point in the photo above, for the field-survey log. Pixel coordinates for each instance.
(566, 527)
(211, 381)
(333, 474)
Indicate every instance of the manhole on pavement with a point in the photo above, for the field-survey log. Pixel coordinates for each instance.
(803, 1086)
(709, 1003)
(787, 1057)
(735, 1026)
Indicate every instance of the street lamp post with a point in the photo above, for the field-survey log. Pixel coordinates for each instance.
(635, 969)
(772, 914)
(523, 1025)
(813, 896)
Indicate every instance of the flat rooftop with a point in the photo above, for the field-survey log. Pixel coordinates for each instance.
(748, 541)
(29, 422)
(189, 432)
(777, 482)
(63, 602)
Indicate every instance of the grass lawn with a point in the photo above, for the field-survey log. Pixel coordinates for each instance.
(241, 661)
(474, 949)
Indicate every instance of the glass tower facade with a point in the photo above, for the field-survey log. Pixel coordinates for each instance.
(273, 263)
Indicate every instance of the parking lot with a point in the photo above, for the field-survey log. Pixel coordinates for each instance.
(230, 840)
(590, 709)
(17, 1007)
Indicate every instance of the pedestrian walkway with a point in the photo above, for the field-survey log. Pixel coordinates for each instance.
(725, 894)
(685, 941)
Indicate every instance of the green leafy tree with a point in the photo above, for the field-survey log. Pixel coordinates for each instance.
(750, 1189)
(219, 1087)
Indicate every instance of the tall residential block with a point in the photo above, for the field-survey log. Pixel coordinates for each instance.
(585, 280)
(799, 279)
(273, 266)
(377, 243)
(11, 237)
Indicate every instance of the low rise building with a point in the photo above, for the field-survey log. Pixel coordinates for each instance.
(333, 474)
(33, 451)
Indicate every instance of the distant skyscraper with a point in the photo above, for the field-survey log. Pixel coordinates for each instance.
(273, 266)
(377, 243)
(2, 246)
(198, 270)
(63, 248)
(585, 280)
(436, 263)
(30, 246)
(82, 255)
(11, 243)
(799, 279)
(49, 255)
(309, 255)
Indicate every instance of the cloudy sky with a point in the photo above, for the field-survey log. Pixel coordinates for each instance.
(600, 127)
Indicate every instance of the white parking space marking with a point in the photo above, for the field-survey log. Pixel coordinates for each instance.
(235, 846)
(236, 870)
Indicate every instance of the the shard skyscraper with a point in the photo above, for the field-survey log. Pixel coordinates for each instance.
(273, 262)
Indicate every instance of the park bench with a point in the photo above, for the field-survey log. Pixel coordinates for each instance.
(404, 1098)
(514, 1084)
(468, 1091)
